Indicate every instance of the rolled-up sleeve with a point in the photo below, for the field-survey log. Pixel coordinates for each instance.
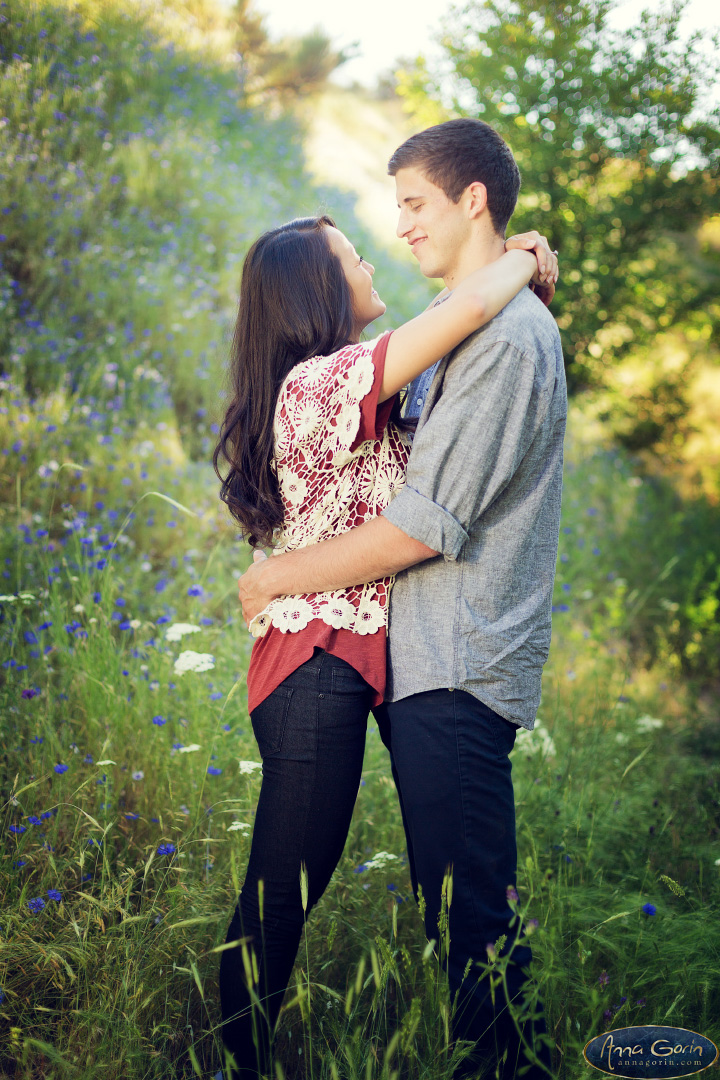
(464, 455)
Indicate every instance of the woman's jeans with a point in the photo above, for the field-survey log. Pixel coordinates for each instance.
(311, 736)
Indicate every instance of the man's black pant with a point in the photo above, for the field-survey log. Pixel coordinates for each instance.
(451, 766)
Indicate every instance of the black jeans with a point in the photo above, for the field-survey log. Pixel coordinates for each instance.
(311, 736)
(451, 767)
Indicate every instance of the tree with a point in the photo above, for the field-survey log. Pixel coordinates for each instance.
(287, 68)
(618, 164)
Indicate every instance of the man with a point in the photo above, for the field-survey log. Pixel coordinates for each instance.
(469, 632)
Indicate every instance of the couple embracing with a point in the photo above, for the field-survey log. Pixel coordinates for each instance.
(412, 571)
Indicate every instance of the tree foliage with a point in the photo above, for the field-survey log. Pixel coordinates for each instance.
(618, 158)
(287, 68)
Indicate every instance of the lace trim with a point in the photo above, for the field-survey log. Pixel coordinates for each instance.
(326, 488)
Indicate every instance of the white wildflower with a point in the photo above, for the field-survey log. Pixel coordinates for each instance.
(179, 630)
(48, 469)
(249, 766)
(622, 738)
(649, 723)
(529, 742)
(135, 624)
(193, 661)
(239, 826)
(383, 858)
(78, 609)
(190, 749)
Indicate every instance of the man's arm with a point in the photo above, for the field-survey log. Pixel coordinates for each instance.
(373, 550)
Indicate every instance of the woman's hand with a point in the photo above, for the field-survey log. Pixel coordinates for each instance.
(545, 278)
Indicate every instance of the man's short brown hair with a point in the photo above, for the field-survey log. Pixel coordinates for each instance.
(458, 153)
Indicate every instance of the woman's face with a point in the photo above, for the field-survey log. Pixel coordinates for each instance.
(367, 305)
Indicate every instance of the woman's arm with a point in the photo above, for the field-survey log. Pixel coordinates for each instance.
(416, 345)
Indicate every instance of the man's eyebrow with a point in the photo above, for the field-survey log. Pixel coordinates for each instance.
(412, 198)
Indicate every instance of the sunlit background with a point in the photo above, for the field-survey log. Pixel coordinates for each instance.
(144, 144)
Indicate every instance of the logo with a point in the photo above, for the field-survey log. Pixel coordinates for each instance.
(650, 1052)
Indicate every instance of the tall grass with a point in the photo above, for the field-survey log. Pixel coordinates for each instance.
(128, 784)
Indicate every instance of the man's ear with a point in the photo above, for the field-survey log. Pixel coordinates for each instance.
(476, 196)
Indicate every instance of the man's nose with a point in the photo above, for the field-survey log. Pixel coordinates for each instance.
(404, 225)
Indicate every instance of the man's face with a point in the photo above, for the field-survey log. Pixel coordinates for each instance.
(436, 228)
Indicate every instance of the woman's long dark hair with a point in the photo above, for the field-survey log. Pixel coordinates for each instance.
(295, 303)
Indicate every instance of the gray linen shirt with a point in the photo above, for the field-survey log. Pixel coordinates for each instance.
(483, 488)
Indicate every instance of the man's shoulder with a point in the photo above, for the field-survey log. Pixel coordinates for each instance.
(526, 324)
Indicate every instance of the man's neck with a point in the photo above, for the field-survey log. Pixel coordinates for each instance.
(483, 251)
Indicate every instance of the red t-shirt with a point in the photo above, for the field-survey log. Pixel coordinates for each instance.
(278, 652)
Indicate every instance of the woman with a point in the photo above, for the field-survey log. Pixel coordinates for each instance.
(316, 444)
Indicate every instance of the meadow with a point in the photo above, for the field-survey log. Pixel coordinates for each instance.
(133, 178)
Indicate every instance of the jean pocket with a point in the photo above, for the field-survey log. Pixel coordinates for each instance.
(504, 734)
(346, 680)
(268, 721)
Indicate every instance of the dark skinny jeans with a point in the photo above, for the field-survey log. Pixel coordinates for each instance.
(311, 736)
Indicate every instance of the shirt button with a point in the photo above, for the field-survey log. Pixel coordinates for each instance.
(419, 401)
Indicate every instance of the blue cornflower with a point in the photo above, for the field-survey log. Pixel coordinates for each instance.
(217, 695)
(36, 904)
(213, 770)
(97, 597)
(33, 820)
(359, 869)
(159, 721)
(132, 817)
(196, 590)
(166, 849)
(30, 692)
(649, 909)
(17, 829)
(88, 759)
(60, 768)
(30, 638)
(120, 602)
(226, 727)
(54, 894)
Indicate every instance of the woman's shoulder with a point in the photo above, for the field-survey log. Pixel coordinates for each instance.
(318, 371)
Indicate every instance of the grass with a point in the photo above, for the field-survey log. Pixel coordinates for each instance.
(128, 789)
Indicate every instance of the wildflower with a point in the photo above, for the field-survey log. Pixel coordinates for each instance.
(217, 695)
(138, 775)
(603, 978)
(531, 926)
(641, 1002)
(239, 826)
(213, 770)
(381, 859)
(190, 749)
(649, 723)
(511, 894)
(33, 820)
(249, 766)
(179, 630)
(36, 904)
(166, 849)
(17, 829)
(55, 894)
(30, 693)
(131, 817)
(649, 909)
(159, 721)
(193, 661)
(60, 768)
(196, 590)
(607, 1015)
